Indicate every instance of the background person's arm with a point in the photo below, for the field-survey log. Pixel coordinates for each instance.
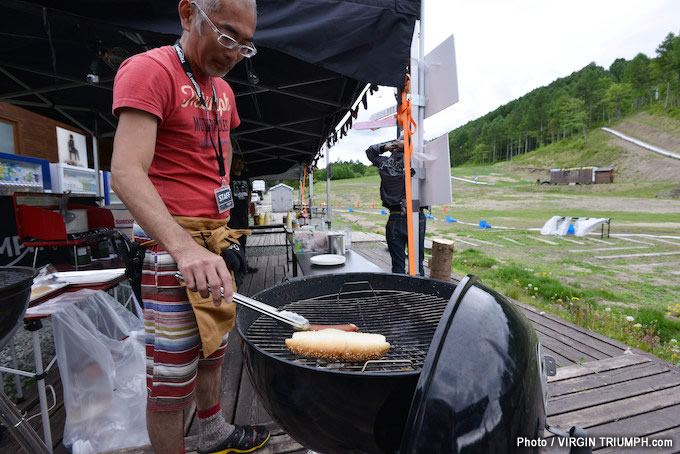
(133, 151)
(228, 157)
(373, 153)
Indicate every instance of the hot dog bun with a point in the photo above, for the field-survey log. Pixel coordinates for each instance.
(333, 345)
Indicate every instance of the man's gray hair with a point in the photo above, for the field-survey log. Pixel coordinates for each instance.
(210, 6)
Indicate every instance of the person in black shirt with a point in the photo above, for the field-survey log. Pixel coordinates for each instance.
(393, 195)
(241, 190)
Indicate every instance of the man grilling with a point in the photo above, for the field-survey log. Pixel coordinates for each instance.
(170, 167)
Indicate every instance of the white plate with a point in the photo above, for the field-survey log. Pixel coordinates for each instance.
(90, 276)
(328, 259)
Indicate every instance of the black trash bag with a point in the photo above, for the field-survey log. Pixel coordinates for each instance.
(235, 259)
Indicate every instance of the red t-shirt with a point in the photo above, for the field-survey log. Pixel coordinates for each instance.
(184, 168)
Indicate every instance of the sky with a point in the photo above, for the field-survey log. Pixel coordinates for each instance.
(506, 48)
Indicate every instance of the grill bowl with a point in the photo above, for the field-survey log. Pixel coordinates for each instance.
(15, 291)
(479, 387)
(330, 410)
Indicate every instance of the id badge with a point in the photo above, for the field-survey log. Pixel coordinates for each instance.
(224, 199)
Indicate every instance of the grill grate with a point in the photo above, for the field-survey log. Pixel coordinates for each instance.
(407, 319)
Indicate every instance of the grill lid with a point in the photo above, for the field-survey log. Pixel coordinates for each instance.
(480, 385)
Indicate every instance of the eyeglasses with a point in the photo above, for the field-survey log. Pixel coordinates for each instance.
(226, 40)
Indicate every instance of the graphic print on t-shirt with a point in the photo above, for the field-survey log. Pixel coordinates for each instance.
(240, 188)
(201, 123)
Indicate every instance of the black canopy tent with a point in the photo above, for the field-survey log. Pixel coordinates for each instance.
(315, 60)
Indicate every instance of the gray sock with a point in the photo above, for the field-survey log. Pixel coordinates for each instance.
(212, 431)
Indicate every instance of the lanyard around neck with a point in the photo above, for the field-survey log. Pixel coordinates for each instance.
(187, 69)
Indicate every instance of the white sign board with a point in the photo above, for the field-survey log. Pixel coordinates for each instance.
(436, 187)
(384, 113)
(72, 148)
(441, 78)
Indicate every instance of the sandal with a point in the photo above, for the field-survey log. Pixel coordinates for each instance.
(242, 439)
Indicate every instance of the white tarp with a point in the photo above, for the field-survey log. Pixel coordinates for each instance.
(550, 227)
(584, 226)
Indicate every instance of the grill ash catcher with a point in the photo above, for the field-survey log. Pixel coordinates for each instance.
(464, 372)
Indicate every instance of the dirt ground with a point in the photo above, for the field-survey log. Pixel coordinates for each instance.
(640, 164)
(478, 197)
(645, 127)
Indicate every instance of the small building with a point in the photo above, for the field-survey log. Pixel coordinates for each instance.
(282, 198)
(604, 175)
(581, 175)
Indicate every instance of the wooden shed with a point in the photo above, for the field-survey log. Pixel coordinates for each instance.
(282, 198)
(604, 175)
(582, 175)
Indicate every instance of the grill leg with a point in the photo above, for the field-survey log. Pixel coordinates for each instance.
(47, 431)
(22, 431)
(17, 377)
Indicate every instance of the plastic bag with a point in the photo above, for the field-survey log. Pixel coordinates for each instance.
(100, 349)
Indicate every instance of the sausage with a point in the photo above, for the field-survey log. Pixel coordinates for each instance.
(346, 327)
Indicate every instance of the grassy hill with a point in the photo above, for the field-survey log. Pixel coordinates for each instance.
(593, 282)
(633, 164)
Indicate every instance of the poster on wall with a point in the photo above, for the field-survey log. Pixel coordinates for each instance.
(72, 148)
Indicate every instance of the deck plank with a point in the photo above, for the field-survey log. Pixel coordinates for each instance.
(620, 409)
(560, 360)
(572, 355)
(590, 382)
(645, 425)
(565, 325)
(600, 366)
(269, 270)
(610, 393)
(575, 339)
(231, 377)
(249, 409)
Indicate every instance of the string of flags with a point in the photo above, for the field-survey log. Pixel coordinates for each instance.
(338, 134)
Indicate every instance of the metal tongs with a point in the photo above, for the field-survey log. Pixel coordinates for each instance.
(297, 321)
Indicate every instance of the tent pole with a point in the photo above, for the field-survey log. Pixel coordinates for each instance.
(418, 89)
(95, 155)
(311, 190)
(328, 185)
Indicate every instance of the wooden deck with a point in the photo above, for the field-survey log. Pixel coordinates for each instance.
(602, 385)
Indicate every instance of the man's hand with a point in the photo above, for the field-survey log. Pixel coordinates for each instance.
(202, 268)
(396, 146)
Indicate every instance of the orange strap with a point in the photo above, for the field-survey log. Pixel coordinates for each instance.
(304, 179)
(406, 121)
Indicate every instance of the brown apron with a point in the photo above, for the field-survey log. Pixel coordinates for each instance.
(213, 321)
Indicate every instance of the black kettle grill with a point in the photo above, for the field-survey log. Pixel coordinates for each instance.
(15, 293)
(463, 374)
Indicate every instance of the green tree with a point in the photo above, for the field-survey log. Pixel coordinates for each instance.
(617, 97)
(638, 74)
(587, 87)
(617, 68)
(480, 152)
(669, 63)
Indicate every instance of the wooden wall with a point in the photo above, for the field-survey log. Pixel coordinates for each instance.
(36, 135)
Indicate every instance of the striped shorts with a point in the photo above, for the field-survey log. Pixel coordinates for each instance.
(173, 344)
